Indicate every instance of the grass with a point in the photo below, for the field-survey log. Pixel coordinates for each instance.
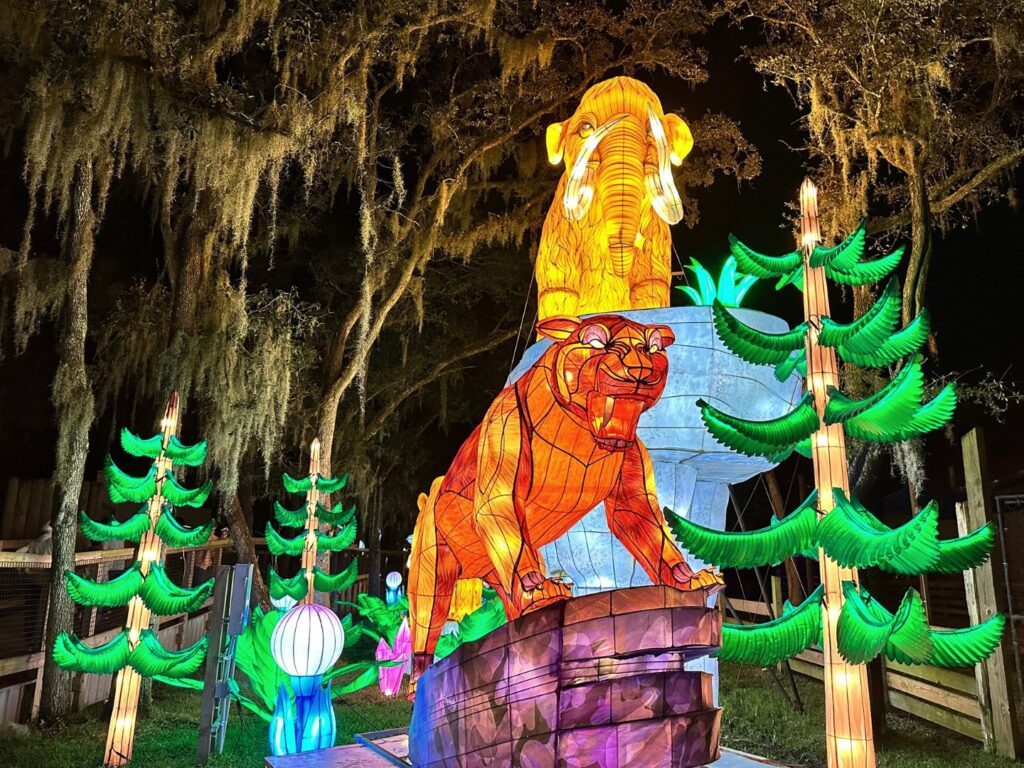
(166, 736)
(756, 719)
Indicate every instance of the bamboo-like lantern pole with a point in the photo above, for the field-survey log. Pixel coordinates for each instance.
(312, 497)
(121, 731)
(848, 736)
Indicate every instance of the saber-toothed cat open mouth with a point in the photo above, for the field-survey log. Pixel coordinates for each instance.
(612, 420)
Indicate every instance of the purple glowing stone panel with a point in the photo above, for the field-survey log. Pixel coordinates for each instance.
(595, 682)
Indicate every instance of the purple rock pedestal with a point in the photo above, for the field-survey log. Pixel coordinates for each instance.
(595, 682)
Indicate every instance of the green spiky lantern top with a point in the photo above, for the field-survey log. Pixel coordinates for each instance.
(155, 588)
(849, 534)
(339, 517)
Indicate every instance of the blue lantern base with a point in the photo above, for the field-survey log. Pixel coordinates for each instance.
(309, 724)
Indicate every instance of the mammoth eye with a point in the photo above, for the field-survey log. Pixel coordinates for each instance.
(655, 347)
(585, 130)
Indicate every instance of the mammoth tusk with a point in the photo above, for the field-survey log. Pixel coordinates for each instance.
(661, 186)
(579, 192)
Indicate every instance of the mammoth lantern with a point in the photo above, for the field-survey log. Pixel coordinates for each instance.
(605, 246)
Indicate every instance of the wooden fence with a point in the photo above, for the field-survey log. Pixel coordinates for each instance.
(946, 697)
(24, 590)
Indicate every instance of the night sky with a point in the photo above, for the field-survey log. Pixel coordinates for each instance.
(974, 292)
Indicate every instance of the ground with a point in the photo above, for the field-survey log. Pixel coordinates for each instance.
(757, 719)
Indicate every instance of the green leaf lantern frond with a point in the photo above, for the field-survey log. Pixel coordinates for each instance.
(748, 549)
(279, 545)
(844, 255)
(165, 598)
(866, 629)
(174, 534)
(931, 416)
(331, 484)
(705, 292)
(293, 485)
(794, 278)
(752, 345)
(770, 642)
(254, 659)
(131, 529)
(122, 487)
(71, 653)
(325, 582)
(473, 626)
(855, 538)
(108, 594)
(731, 288)
(797, 361)
(385, 619)
(134, 445)
(292, 518)
(757, 264)
(294, 587)
(865, 272)
(966, 647)
(150, 658)
(343, 539)
(732, 285)
(870, 329)
(894, 412)
(180, 496)
(969, 551)
(336, 515)
(186, 455)
(901, 344)
(773, 439)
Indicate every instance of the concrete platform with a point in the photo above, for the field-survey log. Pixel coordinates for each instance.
(391, 748)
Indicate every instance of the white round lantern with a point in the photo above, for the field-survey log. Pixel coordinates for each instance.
(393, 580)
(307, 640)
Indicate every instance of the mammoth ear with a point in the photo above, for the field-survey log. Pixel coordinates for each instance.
(555, 138)
(679, 138)
(558, 328)
(661, 335)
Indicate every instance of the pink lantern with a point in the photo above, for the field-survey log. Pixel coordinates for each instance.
(391, 677)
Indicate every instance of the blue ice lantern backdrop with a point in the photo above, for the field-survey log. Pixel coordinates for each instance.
(305, 644)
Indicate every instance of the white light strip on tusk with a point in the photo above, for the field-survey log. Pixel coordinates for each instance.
(662, 187)
(578, 191)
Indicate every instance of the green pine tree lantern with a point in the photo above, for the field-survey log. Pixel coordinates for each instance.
(831, 525)
(145, 588)
(310, 579)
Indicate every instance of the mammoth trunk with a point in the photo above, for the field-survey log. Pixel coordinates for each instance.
(621, 191)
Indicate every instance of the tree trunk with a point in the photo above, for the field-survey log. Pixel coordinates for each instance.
(921, 242)
(73, 399)
(195, 267)
(241, 535)
(328, 420)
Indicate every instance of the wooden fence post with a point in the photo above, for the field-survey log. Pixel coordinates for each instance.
(985, 591)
